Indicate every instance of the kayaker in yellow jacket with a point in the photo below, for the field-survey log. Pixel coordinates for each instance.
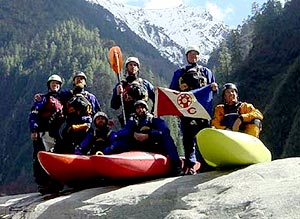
(236, 115)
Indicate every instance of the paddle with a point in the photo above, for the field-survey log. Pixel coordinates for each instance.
(115, 59)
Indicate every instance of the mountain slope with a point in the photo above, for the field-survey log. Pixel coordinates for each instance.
(171, 30)
(43, 37)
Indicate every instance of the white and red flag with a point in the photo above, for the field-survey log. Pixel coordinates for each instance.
(195, 103)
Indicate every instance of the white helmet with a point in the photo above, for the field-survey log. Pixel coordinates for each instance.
(55, 78)
(132, 59)
(141, 102)
(79, 74)
(192, 48)
(98, 114)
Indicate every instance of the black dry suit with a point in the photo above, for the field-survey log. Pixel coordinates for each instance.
(231, 114)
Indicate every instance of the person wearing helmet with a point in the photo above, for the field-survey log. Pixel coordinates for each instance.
(144, 132)
(187, 78)
(79, 80)
(235, 115)
(131, 89)
(45, 120)
(97, 138)
(80, 107)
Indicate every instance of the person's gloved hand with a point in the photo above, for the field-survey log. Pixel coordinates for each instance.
(81, 127)
(78, 150)
(108, 150)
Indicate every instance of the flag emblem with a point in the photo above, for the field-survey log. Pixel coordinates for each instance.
(196, 103)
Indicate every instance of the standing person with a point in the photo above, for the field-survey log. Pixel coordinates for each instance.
(45, 120)
(144, 132)
(236, 115)
(188, 78)
(80, 106)
(99, 138)
(133, 88)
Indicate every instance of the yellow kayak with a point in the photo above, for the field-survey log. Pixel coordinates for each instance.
(227, 148)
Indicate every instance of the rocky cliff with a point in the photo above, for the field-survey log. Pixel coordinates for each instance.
(267, 190)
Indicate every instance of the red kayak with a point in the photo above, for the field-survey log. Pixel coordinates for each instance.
(128, 165)
(67, 167)
(133, 164)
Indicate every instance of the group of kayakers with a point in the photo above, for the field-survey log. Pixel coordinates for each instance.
(86, 130)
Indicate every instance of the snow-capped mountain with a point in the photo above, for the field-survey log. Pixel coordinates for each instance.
(170, 30)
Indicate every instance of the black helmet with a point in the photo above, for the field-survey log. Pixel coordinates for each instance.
(229, 86)
(139, 102)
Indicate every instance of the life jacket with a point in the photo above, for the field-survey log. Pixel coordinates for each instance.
(231, 113)
(79, 104)
(51, 106)
(143, 125)
(192, 78)
(101, 140)
(135, 90)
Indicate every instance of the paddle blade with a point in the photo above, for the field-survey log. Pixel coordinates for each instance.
(115, 59)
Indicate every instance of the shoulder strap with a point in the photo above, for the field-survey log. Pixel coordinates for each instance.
(150, 117)
(108, 133)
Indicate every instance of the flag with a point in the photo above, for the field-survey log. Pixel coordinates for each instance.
(195, 103)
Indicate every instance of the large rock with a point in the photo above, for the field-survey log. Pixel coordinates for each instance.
(267, 190)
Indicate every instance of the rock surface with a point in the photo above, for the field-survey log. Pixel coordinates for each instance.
(266, 190)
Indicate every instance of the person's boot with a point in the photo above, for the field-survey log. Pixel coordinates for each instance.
(176, 169)
(190, 171)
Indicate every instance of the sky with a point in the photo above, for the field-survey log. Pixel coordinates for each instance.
(232, 12)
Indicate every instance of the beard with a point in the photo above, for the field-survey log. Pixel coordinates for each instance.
(131, 78)
(80, 85)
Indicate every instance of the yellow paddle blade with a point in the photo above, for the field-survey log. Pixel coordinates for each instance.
(115, 59)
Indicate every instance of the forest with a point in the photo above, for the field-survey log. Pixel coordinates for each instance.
(40, 38)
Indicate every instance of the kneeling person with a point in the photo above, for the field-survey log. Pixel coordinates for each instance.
(144, 132)
(97, 139)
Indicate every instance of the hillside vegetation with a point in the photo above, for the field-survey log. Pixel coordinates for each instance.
(40, 38)
(262, 57)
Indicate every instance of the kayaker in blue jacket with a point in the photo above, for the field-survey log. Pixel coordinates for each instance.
(45, 120)
(132, 88)
(80, 107)
(98, 138)
(188, 78)
(144, 132)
